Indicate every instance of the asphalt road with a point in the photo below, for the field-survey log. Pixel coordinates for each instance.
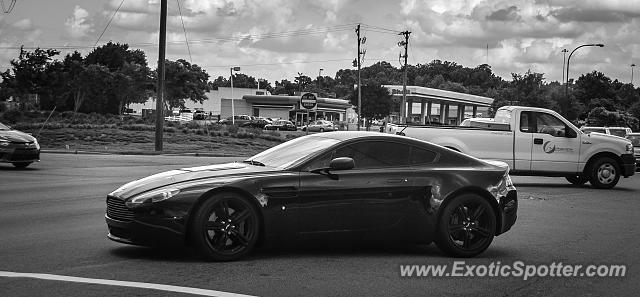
(52, 222)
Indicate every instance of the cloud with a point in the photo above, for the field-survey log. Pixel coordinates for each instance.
(505, 14)
(78, 26)
(23, 25)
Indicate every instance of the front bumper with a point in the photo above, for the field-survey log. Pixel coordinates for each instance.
(147, 226)
(508, 211)
(19, 154)
(628, 164)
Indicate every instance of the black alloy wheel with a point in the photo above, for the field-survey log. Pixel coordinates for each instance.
(577, 179)
(466, 226)
(225, 227)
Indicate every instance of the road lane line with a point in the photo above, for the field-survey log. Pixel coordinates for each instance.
(170, 288)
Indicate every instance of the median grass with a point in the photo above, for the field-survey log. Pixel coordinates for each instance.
(131, 134)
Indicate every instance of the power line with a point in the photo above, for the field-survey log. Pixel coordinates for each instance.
(185, 32)
(109, 22)
(11, 6)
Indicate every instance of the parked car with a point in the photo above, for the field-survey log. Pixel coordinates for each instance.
(18, 148)
(199, 115)
(238, 120)
(635, 141)
(320, 126)
(361, 186)
(617, 131)
(281, 125)
(537, 141)
(256, 123)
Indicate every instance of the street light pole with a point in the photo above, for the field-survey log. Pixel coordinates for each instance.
(566, 86)
(564, 61)
(319, 76)
(233, 111)
(632, 65)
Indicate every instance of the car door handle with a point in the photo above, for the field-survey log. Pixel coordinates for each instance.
(537, 141)
(396, 180)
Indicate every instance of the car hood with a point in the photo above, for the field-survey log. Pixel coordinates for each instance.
(225, 172)
(16, 136)
(597, 136)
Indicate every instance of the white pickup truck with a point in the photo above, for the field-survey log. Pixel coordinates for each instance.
(536, 141)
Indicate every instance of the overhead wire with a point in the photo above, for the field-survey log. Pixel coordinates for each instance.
(11, 6)
(185, 32)
(108, 23)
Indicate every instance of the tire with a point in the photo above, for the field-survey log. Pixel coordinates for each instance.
(225, 227)
(604, 173)
(21, 164)
(321, 130)
(577, 179)
(466, 226)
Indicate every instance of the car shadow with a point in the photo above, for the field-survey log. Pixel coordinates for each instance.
(568, 186)
(12, 168)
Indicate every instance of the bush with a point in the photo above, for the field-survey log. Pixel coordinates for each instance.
(233, 129)
(193, 125)
(12, 116)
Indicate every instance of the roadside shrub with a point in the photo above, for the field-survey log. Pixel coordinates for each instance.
(12, 116)
(170, 129)
(185, 130)
(233, 129)
(254, 131)
(193, 125)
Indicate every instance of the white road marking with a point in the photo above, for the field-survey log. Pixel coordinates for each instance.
(187, 290)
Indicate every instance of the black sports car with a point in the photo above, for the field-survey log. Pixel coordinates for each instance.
(18, 148)
(365, 185)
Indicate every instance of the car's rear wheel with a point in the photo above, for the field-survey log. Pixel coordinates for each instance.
(21, 164)
(604, 173)
(225, 227)
(466, 226)
(577, 179)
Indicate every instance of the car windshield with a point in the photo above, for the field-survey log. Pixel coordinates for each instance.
(291, 151)
(4, 127)
(635, 140)
(618, 132)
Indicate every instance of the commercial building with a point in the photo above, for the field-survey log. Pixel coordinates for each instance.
(427, 105)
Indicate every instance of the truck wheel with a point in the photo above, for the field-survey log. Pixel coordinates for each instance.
(577, 179)
(21, 164)
(466, 226)
(604, 173)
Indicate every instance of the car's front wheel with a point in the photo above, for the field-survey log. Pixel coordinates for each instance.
(21, 164)
(225, 227)
(605, 173)
(466, 226)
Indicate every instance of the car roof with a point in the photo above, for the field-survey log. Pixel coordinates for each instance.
(346, 135)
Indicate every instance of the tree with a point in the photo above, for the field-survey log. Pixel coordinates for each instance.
(303, 81)
(28, 75)
(115, 55)
(131, 84)
(376, 102)
(91, 85)
(183, 81)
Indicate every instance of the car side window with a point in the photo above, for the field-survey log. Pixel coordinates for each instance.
(375, 154)
(549, 124)
(421, 156)
(524, 122)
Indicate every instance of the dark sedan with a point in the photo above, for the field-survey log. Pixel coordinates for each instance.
(281, 125)
(256, 123)
(359, 185)
(18, 148)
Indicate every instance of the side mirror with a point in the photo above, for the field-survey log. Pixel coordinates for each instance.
(342, 163)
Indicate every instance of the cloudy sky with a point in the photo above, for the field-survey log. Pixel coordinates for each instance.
(276, 39)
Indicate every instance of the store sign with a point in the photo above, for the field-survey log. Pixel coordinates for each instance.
(308, 101)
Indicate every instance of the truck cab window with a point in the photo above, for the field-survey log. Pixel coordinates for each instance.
(551, 125)
(524, 122)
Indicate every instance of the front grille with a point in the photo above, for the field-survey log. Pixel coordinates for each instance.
(25, 154)
(117, 210)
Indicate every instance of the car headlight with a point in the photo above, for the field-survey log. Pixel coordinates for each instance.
(154, 196)
(629, 148)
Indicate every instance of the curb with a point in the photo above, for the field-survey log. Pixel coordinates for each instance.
(144, 153)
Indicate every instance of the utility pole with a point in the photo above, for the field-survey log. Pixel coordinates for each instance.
(403, 107)
(359, 83)
(161, 55)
